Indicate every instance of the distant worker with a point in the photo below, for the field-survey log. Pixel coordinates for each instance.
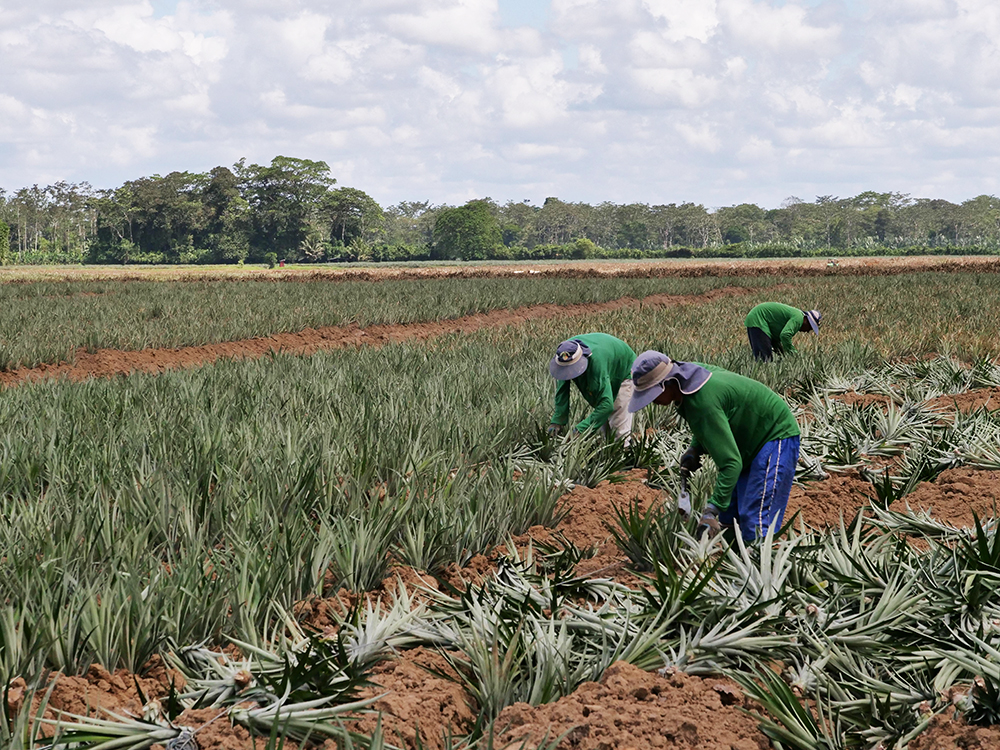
(601, 367)
(745, 427)
(771, 325)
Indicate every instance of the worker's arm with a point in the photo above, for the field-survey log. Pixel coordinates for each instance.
(602, 409)
(561, 414)
(714, 436)
(793, 326)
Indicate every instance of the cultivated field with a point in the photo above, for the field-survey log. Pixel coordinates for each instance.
(326, 511)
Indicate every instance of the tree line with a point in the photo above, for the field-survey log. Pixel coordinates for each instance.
(293, 210)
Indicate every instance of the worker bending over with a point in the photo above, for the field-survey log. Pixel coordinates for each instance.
(600, 365)
(771, 325)
(742, 424)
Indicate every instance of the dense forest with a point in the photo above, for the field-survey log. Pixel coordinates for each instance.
(293, 210)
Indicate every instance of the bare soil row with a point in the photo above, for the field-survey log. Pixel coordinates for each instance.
(686, 268)
(628, 708)
(106, 363)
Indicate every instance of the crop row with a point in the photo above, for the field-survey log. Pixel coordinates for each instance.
(250, 455)
(145, 514)
(49, 321)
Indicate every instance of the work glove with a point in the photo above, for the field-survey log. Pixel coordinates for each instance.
(709, 523)
(691, 460)
(555, 430)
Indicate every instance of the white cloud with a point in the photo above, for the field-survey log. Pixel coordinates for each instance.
(906, 96)
(533, 94)
(757, 149)
(715, 101)
(302, 36)
(699, 136)
(331, 66)
(677, 86)
(591, 60)
(777, 28)
(685, 19)
(650, 49)
(464, 24)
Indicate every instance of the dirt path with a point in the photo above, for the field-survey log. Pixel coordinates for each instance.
(673, 267)
(106, 363)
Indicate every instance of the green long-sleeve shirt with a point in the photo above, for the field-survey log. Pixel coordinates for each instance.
(780, 322)
(610, 364)
(732, 417)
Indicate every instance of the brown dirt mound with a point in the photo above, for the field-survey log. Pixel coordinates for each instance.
(214, 732)
(96, 693)
(106, 363)
(954, 734)
(418, 701)
(978, 398)
(584, 525)
(853, 398)
(821, 504)
(955, 495)
(952, 498)
(589, 509)
(630, 708)
(880, 266)
(99, 690)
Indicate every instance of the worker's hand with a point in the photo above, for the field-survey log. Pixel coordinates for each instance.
(555, 430)
(709, 523)
(691, 460)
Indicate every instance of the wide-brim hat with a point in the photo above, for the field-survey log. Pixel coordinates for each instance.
(570, 360)
(814, 317)
(652, 369)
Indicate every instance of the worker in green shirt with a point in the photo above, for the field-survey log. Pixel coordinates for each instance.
(601, 367)
(745, 427)
(771, 325)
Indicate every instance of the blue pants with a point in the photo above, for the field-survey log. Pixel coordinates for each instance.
(761, 493)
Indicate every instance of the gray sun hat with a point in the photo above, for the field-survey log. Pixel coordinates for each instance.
(570, 360)
(814, 317)
(652, 369)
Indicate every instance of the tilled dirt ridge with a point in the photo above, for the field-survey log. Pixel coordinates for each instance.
(105, 363)
(667, 268)
(627, 708)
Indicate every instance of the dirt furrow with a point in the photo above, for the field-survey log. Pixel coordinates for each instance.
(580, 269)
(105, 363)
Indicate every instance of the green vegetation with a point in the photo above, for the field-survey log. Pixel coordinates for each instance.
(47, 322)
(4, 243)
(469, 232)
(173, 513)
(291, 208)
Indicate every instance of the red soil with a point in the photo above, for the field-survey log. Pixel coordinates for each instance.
(110, 362)
(883, 266)
(822, 504)
(977, 398)
(630, 708)
(954, 734)
(853, 398)
(956, 494)
(589, 510)
(418, 701)
(952, 498)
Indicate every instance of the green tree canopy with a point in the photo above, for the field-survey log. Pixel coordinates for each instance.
(4, 243)
(285, 200)
(469, 232)
(352, 214)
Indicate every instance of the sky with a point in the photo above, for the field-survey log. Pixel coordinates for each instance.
(717, 102)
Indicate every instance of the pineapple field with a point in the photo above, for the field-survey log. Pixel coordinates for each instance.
(238, 513)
